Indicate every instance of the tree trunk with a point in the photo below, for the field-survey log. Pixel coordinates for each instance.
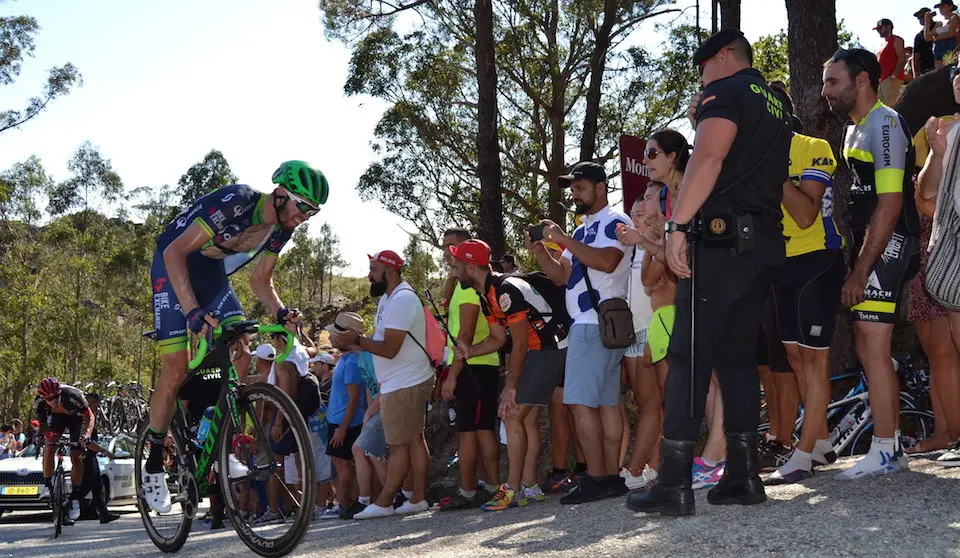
(555, 114)
(811, 39)
(598, 63)
(488, 138)
(929, 95)
(730, 14)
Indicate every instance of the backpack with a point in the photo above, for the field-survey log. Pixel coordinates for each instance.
(436, 340)
(551, 308)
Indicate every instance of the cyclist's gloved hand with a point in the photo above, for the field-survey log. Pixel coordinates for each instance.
(285, 315)
(196, 319)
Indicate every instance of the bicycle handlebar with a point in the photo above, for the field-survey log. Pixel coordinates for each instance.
(205, 343)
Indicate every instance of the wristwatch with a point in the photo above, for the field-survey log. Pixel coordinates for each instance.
(671, 226)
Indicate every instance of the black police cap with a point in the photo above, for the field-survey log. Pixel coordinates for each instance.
(583, 169)
(712, 46)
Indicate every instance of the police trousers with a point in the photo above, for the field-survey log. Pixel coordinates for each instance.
(730, 291)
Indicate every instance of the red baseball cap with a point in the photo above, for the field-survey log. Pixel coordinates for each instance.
(475, 252)
(388, 258)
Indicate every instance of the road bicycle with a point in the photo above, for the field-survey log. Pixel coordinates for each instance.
(850, 419)
(242, 451)
(58, 484)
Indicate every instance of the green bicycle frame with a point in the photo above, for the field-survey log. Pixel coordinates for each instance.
(226, 403)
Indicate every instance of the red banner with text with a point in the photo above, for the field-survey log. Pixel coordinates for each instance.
(633, 173)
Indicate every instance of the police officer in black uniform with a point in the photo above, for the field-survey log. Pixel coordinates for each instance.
(728, 215)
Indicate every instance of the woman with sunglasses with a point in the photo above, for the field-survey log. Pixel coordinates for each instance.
(666, 159)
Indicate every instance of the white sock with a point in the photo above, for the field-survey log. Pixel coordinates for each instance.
(365, 500)
(881, 451)
(709, 463)
(407, 493)
(769, 438)
(468, 493)
(823, 447)
(799, 460)
(888, 445)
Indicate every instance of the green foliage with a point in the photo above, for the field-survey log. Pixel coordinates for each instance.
(770, 54)
(204, 177)
(421, 271)
(17, 43)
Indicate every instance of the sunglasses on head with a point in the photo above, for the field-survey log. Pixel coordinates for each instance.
(652, 153)
(303, 206)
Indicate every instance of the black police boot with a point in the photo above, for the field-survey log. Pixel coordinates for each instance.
(672, 493)
(741, 482)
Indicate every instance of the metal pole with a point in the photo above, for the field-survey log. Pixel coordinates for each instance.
(698, 22)
(714, 4)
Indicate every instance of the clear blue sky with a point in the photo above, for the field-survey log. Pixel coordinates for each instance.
(165, 82)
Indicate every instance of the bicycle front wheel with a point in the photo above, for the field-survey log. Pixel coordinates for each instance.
(168, 531)
(57, 501)
(252, 459)
(915, 425)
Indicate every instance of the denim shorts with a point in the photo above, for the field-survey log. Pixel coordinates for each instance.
(372, 439)
(592, 370)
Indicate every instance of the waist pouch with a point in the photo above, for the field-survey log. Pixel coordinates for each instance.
(614, 317)
(734, 231)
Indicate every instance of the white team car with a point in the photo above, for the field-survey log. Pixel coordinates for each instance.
(21, 477)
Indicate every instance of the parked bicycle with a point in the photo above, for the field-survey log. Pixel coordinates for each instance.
(850, 419)
(241, 450)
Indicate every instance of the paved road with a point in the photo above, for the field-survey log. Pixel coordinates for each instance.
(908, 514)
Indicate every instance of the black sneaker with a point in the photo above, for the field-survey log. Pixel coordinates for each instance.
(461, 502)
(615, 486)
(353, 510)
(399, 500)
(588, 490)
(773, 455)
(108, 517)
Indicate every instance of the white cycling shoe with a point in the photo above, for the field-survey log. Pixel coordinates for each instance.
(73, 513)
(155, 492)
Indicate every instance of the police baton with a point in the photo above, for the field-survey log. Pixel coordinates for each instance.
(691, 250)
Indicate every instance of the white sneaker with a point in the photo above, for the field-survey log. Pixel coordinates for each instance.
(409, 508)
(950, 458)
(74, 513)
(374, 511)
(155, 492)
(635, 482)
(875, 464)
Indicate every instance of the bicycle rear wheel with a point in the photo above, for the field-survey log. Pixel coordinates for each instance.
(168, 531)
(248, 463)
(57, 502)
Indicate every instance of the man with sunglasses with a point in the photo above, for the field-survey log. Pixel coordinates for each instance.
(733, 186)
(885, 226)
(215, 236)
(60, 407)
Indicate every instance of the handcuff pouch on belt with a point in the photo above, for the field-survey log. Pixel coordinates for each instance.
(728, 231)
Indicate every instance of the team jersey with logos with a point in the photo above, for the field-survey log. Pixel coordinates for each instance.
(71, 399)
(812, 159)
(880, 154)
(508, 300)
(233, 218)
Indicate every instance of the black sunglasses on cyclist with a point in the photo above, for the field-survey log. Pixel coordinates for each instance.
(307, 209)
(652, 153)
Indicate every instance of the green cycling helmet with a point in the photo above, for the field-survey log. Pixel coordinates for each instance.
(303, 180)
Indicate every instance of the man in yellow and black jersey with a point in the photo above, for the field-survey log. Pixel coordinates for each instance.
(807, 295)
(885, 228)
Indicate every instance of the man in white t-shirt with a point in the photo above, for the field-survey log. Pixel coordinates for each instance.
(592, 385)
(406, 381)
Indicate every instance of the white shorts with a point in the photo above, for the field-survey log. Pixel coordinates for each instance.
(636, 350)
(324, 467)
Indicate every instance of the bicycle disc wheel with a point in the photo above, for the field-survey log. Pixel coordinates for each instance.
(57, 500)
(168, 531)
(915, 425)
(248, 464)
